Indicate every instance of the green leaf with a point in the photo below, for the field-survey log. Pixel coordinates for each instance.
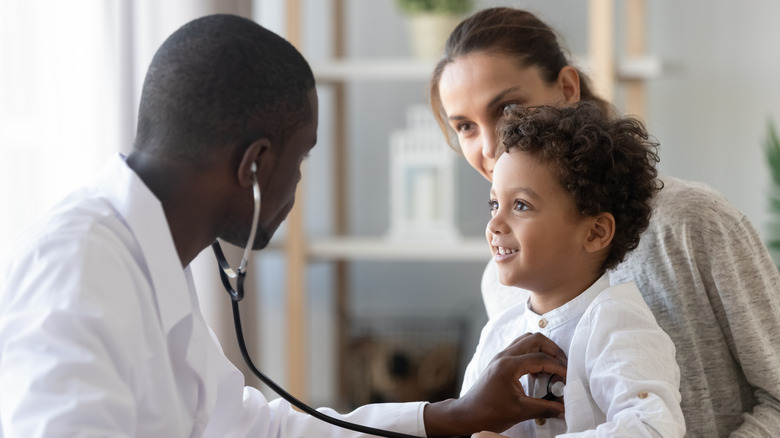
(457, 7)
(772, 153)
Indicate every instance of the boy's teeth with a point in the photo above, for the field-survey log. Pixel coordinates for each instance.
(505, 251)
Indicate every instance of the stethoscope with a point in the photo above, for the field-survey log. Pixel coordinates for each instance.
(226, 273)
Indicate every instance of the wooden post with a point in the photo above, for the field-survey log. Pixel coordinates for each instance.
(340, 187)
(601, 47)
(295, 254)
(635, 46)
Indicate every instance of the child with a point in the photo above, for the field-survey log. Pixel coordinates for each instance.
(571, 194)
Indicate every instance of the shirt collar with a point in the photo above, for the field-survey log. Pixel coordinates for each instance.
(572, 309)
(144, 216)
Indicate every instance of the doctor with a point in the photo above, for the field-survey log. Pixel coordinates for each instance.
(100, 329)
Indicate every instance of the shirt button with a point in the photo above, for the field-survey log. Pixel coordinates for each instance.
(542, 323)
(642, 394)
(540, 421)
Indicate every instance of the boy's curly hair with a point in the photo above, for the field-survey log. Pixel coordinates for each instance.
(606, 164)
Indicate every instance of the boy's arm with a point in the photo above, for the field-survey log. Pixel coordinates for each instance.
(624, 363)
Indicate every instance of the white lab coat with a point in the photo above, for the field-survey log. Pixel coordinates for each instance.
(101, 334)
(622, 378)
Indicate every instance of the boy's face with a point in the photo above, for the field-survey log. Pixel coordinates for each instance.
(536, 235)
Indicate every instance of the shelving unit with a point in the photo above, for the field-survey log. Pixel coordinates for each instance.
(341, 249)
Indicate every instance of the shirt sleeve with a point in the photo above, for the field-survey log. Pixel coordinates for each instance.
(254, 416)
(63, 370)
(630, 373)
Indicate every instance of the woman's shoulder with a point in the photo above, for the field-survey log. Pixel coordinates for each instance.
(692, 200)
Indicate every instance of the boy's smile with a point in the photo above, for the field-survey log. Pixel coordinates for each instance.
(536, 235)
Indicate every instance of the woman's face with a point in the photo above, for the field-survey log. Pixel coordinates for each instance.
(475, 88)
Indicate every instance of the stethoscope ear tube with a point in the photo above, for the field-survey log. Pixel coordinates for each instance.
(225, 272)
(294, 401)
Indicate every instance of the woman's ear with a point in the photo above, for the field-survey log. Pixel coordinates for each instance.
(601, 232)
(569, 83)
(256, 154)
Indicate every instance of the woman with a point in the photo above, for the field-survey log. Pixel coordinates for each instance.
(701, 266)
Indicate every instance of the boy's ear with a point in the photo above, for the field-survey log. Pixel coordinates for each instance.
(601, 232)
(258, 154)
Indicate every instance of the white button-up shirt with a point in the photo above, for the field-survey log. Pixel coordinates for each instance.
(101, 334)
(622, 377)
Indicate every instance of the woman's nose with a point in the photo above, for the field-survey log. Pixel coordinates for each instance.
(489, 144)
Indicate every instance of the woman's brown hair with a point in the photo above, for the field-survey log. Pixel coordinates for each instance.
(512, 32)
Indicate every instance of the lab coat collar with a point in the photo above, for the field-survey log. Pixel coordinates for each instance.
(144, 216)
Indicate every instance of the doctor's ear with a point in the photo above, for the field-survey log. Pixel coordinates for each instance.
(255, 159)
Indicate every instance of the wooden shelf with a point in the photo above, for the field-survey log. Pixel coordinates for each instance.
(373, 69)
(356, 248)
(409, 69)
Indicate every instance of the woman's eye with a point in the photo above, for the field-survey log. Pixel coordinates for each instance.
(464, 128)
(509, 107)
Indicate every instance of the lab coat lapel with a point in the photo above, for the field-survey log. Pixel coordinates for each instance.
(143, 214)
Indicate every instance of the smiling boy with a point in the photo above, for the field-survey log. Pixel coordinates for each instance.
(571, 194)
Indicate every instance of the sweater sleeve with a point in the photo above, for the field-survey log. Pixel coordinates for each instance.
(747, 308)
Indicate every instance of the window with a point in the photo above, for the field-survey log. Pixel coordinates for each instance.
(59, 103)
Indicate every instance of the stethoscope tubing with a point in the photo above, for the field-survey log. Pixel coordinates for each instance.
(237, 293)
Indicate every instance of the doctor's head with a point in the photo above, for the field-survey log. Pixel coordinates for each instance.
(493, 59)
(222, 93)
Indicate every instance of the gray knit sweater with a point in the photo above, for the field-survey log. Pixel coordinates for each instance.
(713, 288)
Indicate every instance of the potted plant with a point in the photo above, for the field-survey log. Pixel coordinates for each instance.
(772, 151)
(430, 22)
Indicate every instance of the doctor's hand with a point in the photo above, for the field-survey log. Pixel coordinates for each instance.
(488, 435)
(497, 400)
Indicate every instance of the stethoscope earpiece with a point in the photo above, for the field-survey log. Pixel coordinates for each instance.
(226, 273)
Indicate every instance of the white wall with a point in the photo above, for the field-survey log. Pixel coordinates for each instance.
(710, 111)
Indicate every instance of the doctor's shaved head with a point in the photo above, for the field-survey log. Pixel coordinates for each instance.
(221, 80)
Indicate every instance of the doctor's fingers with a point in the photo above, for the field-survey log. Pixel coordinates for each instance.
(487, 435)
(534, 343)
(529, 363)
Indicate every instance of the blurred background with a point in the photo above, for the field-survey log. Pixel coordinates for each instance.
(336, 291)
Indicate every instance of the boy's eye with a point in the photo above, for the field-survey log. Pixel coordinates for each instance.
(493, 205)
(520, 206)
